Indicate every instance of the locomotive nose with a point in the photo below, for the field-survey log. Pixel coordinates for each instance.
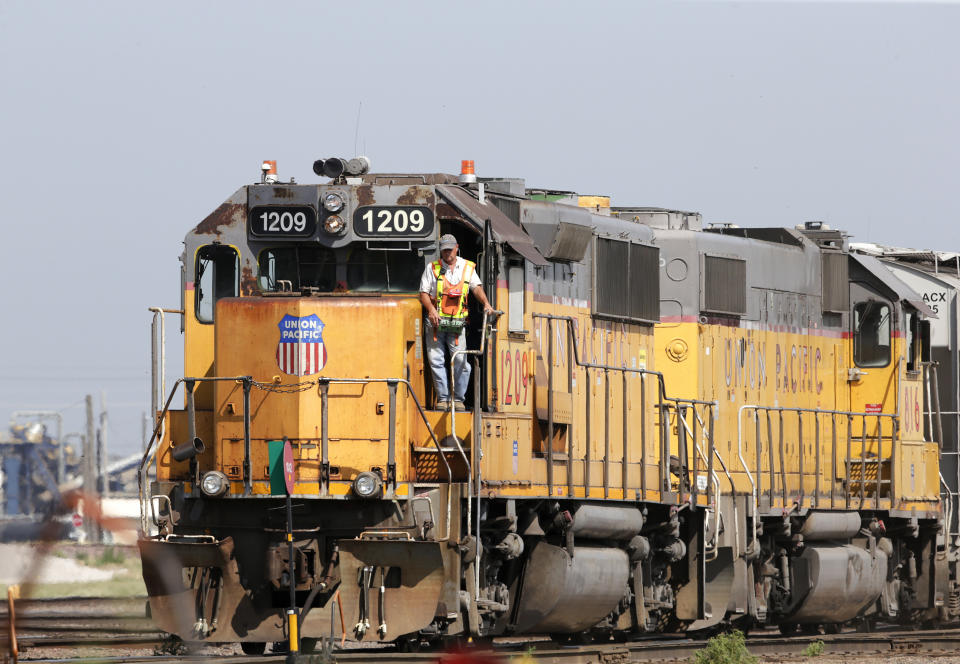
(340, 365)
(292, 340)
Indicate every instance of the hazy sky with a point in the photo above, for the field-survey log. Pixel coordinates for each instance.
(124, 123)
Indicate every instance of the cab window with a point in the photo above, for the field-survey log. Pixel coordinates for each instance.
(912, 338)
(918, 341)
(383, 271)
(217, 275)
(516, 287)
(871, 334)
(298, 268)
(349, 269)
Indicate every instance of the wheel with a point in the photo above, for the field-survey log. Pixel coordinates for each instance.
(744, 624)
(253, 647)
(865, 626)
(575, 639)
(454, 643)
(810, 629)
(408, 644)
(831, 628)
(788, 629)
(308, 645)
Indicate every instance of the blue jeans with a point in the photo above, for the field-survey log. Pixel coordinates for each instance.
(438, 353)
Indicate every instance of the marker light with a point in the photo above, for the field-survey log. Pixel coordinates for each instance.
(333, 202)
(269, 169)
(334, 225)
(467, 173)
(214, 483)
(367, 485)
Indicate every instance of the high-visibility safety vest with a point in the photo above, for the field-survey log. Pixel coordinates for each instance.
(452, 298)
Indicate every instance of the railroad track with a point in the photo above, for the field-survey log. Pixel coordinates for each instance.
(922, 644)
(122, 623)
(102, 622)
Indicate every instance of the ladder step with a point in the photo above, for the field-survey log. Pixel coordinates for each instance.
(433, 450)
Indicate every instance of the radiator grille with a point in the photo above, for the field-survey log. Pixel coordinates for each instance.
(644, 282)
(835, 292)
(724, 285)
(627, 280)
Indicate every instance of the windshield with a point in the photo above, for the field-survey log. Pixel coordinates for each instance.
(349, 269)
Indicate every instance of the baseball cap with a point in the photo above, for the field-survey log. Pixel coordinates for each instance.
(447, 241)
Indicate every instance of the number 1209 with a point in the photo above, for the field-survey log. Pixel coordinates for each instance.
(293, 221)
(393, 220)
(283, 222)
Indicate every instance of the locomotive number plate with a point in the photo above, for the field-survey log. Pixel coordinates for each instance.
(393, 221)
(282, 221)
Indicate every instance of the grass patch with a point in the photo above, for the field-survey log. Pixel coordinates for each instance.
(127, 581)
(110, 556)
(814, 649)
(725, 649)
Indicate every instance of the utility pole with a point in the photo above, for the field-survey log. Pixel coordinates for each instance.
(89, 476)
(104, 480)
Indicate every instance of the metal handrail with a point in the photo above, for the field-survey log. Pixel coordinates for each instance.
(681, 418)
(949, 509)
(711, 554)
(477, 447)
(662, 397)
(323, 383)
(149, 454)
(392, 382)
(148, 458)
(736, 518)
(816, 412)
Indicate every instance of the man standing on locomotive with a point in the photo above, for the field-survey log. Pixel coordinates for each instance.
(443, 292)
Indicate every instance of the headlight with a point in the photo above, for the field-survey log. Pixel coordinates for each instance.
(333, 202)
(214, 483)
(367, 485)
(334, 225)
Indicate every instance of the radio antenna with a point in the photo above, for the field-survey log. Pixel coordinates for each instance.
(356, 131)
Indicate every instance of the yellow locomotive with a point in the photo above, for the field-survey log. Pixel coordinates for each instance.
(817, 358)
(644, 446)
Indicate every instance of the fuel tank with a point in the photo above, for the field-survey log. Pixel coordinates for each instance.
(830, 526)
(607, 522)
(841, 582)
(561, 594)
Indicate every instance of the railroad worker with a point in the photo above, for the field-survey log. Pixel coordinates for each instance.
(443, 293)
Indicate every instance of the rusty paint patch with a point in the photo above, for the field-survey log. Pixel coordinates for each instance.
(283, 192)
(417, 196)
(248, 281)
(365, 195)
(227, 214)
(447, 211)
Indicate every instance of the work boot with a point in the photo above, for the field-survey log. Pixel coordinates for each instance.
(443, 405)
(459, 405)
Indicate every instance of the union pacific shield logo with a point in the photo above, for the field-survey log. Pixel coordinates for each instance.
(301, 351)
